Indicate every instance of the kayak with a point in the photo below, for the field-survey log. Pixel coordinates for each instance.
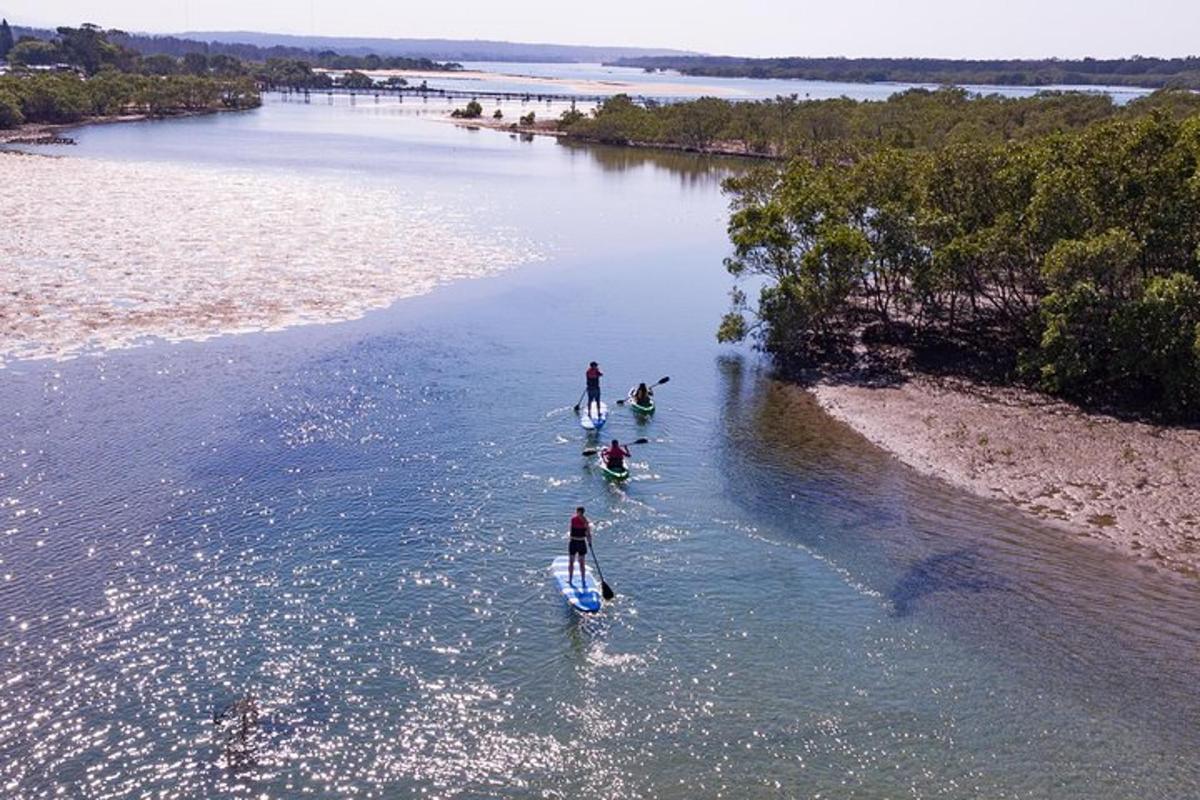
(615, 474)
(581, 597)
(591, 423)
(638, 408)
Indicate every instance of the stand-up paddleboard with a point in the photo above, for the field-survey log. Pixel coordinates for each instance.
(593, 423)
(638, 408)
(585, 599)
(614, 474)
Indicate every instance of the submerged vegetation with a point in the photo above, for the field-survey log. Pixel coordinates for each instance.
(1154, 73)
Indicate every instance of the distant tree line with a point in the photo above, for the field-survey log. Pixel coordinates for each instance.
(108, 79)
(65, 98)
(918, 118)
(1066, 260)
(1152, 73)
(6, 39)
(179, 48)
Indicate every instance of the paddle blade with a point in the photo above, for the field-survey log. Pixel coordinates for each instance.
(621, 402)
(640, 441)
(607, 591)
(666, 379)
(591, 451)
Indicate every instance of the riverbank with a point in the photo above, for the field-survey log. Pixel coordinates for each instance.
(550, 128)
(42, 133)
(1129, 485)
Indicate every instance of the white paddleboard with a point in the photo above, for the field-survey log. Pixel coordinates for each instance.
(582, 598)
(593, 423)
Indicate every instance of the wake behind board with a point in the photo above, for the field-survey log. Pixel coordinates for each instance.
(583, 599)
(592, 423)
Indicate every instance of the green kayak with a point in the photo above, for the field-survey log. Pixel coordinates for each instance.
(646, 409)
(614, 474)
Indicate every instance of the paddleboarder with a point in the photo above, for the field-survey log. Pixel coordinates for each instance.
(581, 537)
(593, 388)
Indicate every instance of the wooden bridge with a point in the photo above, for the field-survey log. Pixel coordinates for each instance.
(428, 92)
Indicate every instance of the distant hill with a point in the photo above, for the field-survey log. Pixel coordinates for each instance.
(438, 49)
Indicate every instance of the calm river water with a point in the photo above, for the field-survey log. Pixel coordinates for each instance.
(353, 523)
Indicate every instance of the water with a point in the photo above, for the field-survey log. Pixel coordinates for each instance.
(352, 522)
(590, 80)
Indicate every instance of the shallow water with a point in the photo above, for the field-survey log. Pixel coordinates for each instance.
(353, 522)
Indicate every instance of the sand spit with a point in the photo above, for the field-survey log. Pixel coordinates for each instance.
(1133, 486)
(584, 86)
(103, 254)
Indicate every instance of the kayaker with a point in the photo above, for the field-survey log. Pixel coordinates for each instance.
(615, 455)
(581, 537)
(642, 395)
(593, 388)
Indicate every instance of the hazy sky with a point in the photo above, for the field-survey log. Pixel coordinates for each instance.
(953, 28)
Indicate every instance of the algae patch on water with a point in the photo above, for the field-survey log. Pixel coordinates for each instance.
(99, 254)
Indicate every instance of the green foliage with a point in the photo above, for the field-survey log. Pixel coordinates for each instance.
(569, 118)
(1074, 256)
(6, 39)
(840, 128)
(293, 74)
(357, 80)
(10, 110)
(528, 119)
(158, 65)
(66, 98)
(35, 53)
(1136, 71)
(473, 110)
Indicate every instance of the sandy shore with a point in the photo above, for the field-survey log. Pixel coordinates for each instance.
(582, 86)
(103, 254)
(1132, 486)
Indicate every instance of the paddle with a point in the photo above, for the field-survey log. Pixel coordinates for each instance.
(605, 589)
(591, 451)
(660, 382)
(580, 401)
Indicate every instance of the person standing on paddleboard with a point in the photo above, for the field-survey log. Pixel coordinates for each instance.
(593, 388)
(581, 537)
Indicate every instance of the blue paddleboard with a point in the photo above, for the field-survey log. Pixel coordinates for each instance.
(581, 598)
(591, 423)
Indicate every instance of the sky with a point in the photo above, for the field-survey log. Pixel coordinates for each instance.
(932, 28)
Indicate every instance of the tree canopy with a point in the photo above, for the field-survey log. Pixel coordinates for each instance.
(1070, 260)
(1152, 73)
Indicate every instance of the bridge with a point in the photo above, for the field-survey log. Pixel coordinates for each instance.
(427, 92)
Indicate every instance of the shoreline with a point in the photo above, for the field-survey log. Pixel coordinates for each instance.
(51, 132)
(1129, 486)
(723, 149)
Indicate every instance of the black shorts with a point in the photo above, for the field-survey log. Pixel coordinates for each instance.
(593, 394)
(578, 547)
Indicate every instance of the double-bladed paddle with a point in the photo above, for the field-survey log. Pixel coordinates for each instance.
(660, 382)
(591, 451)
